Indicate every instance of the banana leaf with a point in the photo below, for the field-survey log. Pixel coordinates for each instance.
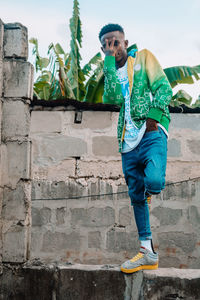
(95, 86)
(182, 74)
(40, 62)
(95, 60)
(181, 97)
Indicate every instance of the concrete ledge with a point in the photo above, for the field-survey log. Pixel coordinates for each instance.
(96, 282)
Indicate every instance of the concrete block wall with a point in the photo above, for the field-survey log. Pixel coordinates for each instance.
(1, 77)
(16, 88)
(73, 160)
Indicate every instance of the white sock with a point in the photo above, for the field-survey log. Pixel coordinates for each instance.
(147, 244)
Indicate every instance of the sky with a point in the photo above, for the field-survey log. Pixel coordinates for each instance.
(169, 29)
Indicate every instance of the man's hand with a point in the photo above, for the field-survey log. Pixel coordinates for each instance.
(151, 125)
(110, 48)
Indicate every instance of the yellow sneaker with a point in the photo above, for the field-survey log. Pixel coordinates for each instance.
(144, 260)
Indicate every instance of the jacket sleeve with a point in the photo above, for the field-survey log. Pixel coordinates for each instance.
(112, 88)
(160, 87)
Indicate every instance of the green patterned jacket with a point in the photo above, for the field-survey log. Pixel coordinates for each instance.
(150, 91)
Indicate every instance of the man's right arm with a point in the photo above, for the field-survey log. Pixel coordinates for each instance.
(112, 88)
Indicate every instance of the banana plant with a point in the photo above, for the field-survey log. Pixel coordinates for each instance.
(182, 75)
(61, 75)
(59, 66)
(176, 75)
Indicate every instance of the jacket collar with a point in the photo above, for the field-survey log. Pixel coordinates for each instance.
(132, 50)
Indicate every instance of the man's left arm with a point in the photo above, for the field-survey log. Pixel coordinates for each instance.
(160, 88)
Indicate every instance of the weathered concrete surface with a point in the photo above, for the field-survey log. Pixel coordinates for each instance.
(16, 243)
(16, 88)
(18, 79)
(15, 41)
(1, 225)
(70, 171)
(101, 149)
(103, 228)
(61, 281)
(16, 204)
(15, 120)
(1, 56)
(105, 146)
(15, 162)
(52, 148)
(45, 121)
(1, 83)
(171, 284)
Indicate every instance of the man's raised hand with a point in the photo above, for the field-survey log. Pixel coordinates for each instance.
(110, 49)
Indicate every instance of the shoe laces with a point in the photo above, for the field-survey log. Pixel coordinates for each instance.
(137, 257)
(149, 202)
(149, 199)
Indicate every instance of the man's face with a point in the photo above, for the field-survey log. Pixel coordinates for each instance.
(120, 44)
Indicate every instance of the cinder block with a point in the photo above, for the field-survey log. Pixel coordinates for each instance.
(185, 121)
(120, 240)
(181, 170)
(52, 149)
(16, 244)
(46, 121)
(17, 203)
(182, 192)
(105, 146)
(1, 56)
(97, 120)
(1, 38)
(60, 241)
(1, 77)
(15, 41)
(15, 119)
(194, 146)
(0, 125)
(18, 79)
(122, 191)
(1, 225)
(94, 239)
(174, 148)
(194, 217)
(101, 187)
(52, 190)
(40, 216)
(93, 217)
(58, 172)
(179, 241)
(125, 216)
(15, 162)
(60, 215)
(103, 169)
(167, 216)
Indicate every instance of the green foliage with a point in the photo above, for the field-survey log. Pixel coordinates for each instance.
(61, 75)
(182, 74)
(181, 97)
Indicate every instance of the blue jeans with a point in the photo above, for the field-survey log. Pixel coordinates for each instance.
(144, 169)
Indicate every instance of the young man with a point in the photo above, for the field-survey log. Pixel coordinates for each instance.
(136, 82)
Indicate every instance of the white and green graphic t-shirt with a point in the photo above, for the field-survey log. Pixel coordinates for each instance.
(133, 135)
